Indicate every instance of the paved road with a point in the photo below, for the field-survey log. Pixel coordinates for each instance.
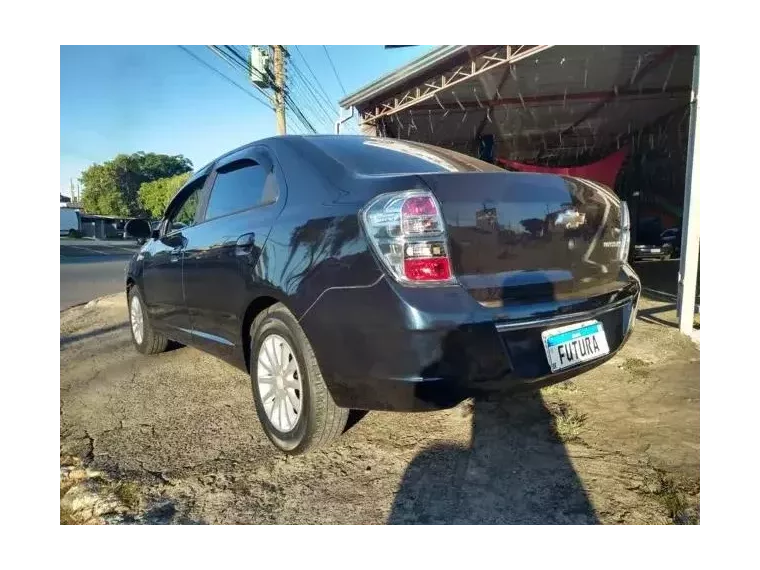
(91, 269)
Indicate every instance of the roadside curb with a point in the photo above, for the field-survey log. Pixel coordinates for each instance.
(92, 302)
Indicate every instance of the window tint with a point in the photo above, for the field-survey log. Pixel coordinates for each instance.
(368, 155)
(185, 216)
(241, 187)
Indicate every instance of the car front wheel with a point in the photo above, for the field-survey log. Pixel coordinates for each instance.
(145, 338)
(292, 401)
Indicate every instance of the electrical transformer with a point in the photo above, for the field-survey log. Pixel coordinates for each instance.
(260, 67)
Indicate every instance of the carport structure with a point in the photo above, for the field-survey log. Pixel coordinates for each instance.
(539, 106)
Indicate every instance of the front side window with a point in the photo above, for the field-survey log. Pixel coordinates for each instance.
(241, 186)
(185, 215)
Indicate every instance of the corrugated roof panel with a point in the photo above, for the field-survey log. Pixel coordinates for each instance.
(590, 94)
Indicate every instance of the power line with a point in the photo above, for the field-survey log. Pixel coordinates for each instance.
(335, 71)
(310, 102)
(295, 108)
(239, 63)
(311, 97)
(227, 58)
(237, 55)
(312, 92)
(314, 75)
(223, 76)
(308, 110)
(233, 58)
(293, 126)
(291, 104)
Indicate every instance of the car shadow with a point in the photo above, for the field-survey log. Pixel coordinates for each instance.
(354, 417)
(93, 333)
(515, 471)
(66, 340)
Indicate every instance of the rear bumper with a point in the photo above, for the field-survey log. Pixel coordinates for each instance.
(386, 347)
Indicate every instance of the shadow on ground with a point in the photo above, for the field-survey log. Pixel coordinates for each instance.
(662, 315)
(124, 326)
(661, 276)
(617, 445)
(93, 333)
(161, 513)
(516, 471)
(662, 312)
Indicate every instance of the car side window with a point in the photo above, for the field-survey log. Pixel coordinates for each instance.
(240, 186)
(185, 215)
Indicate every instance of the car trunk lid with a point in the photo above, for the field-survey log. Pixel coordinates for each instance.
(518, 237)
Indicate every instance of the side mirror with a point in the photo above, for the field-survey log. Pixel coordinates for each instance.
(139, 229)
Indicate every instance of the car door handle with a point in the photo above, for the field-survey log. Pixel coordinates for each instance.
(175, 255)
(244, 244)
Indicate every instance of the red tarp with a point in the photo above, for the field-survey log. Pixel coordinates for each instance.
(604, 171)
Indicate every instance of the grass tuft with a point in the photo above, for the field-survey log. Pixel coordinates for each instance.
(128, 493)
(670, 495)
(566, 387)
(636, 367)
(567, 423)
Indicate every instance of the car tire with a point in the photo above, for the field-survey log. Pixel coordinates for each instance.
(311, 417)
(148, 340)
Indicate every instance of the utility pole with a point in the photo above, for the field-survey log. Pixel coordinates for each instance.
(279, 88)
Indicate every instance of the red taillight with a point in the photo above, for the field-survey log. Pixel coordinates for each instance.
(406, 230)
(430, 269)
(419, 206)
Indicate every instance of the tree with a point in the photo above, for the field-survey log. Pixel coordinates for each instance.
(112, 188)
(155, 196)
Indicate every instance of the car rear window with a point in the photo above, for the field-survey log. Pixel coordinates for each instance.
(239, 187)
(377, 156)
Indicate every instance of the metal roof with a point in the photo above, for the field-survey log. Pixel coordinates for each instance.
(421, 66)
(556, 102)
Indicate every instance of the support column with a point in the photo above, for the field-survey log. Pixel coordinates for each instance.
(687, 273)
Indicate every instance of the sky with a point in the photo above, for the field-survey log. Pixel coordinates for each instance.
(124, 99)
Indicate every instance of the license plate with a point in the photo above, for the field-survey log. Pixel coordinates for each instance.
(655, 250)
(573, 344)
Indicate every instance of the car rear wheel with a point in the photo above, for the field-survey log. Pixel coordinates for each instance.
(292, 401)
(144, 336)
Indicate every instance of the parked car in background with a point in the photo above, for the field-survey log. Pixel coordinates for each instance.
(70, 225)
(672, 236)
(665, 246)
(349, 272)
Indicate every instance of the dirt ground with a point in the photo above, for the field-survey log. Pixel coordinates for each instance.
(173, 439)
